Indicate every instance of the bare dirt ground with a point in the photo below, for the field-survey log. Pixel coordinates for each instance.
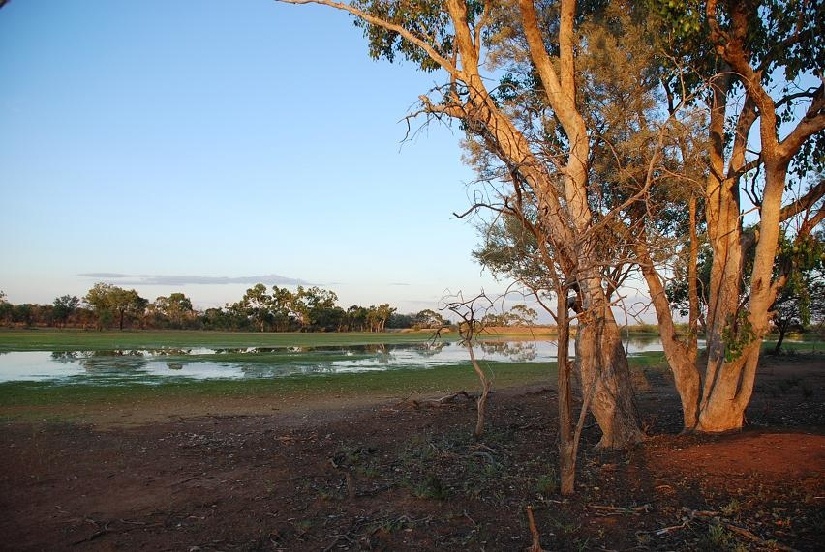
(379, 473)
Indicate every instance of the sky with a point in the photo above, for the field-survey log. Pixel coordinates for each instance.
(204, 146)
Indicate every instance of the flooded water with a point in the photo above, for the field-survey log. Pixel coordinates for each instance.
(153, 366)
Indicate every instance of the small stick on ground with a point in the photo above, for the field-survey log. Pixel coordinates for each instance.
(536, 546)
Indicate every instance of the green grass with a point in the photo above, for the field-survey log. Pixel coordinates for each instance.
(78, 340)
(803, 344)
(403, 382)
(396, 382)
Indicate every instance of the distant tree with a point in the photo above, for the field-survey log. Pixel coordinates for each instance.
(493, 320)
(281, 308)
(176, 308)
(84, 317)
(108, 301)
(804, 263)
(428, 319)
(5, 307)
(236, 316)
(357, 318)
(522, 315)
(818, 301)
(64, 307)
(398, 321)
(320, 306)
(377, 317)
(22, 314)
(518, 315)
(315, 309)
(258, 305)
(218, 319)
(330, 319)
(98, 299)
(129, 303)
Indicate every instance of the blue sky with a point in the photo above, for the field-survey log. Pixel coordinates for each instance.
(204, 146)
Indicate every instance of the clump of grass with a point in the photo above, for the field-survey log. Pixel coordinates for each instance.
(731, 509)
(548, 484)
(431, 488)
(719, 538)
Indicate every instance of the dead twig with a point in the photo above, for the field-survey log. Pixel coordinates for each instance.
(685, 521)
(452, 398)
(742, 532)
(667, 530)
(536, 546)
(620, 510)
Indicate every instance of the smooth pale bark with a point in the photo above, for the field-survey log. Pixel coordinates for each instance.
(735, 328)
(681, 353)
(599, 351)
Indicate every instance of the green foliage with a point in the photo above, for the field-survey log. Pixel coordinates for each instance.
(399, 321)
(517, 316)
(64, 307)
(737, 335)
(425, 19)
(802, 298)
(428, 319)
(548, 484)
(177, 309)
(109, 302)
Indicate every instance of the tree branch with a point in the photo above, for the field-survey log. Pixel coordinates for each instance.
(811, 123)
(803, 203)
(443, 62)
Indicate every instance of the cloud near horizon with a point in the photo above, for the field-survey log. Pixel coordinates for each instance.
(159, 280)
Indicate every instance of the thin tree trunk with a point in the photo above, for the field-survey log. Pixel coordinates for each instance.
(481, 404)
(782, 327)
(567, 446)
(681, 354)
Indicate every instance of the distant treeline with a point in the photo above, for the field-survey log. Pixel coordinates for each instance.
(261, 309)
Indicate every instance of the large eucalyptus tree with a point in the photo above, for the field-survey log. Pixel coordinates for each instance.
(471, 42)
(761, 65)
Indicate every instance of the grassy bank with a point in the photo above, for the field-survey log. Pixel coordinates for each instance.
(396, 382)
(78, 340)
(26, 399)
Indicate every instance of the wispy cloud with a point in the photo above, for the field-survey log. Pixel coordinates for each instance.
(160, 280)
(104, 275)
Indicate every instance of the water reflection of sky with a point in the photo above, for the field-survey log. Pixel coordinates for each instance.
(155, 365)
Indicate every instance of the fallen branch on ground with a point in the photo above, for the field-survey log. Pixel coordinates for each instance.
(619, 510)
(742, 532)
(453, 398)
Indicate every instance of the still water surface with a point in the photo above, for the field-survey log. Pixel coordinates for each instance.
(153, 366)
